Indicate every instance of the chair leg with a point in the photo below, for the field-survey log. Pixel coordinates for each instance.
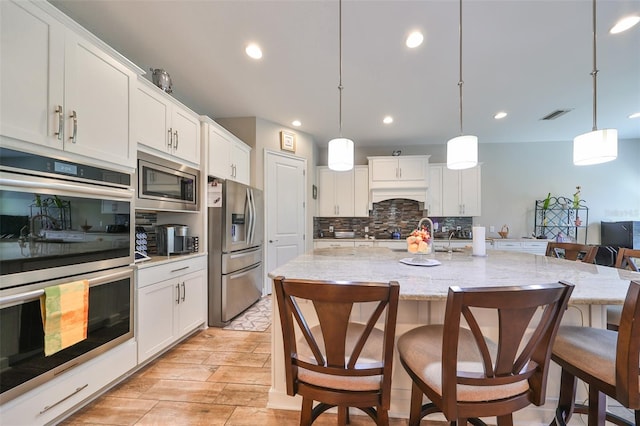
(566, 402)
(416, 405)
(305, 415)
(597, 407)
(343, 415)
(506, 420)
(383, 417)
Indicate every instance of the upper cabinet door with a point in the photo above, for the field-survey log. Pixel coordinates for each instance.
(152, 117)
(186, 135)
(470, 191)
(412, 168)
(97, 89)
(240, 163)
(361, 191)
(434, 197)
(384, 169)
(31, 74)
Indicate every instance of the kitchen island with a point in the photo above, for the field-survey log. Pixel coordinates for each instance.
(423, 291)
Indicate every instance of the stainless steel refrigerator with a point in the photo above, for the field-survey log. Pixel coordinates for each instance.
(235, 251)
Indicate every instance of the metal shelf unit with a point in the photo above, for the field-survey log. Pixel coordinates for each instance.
(561, 216)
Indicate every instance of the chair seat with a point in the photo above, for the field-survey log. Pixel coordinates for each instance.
(370, 356)
(421, 350)
(591, 350)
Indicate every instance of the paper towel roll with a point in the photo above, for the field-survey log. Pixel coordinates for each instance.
(479, 247)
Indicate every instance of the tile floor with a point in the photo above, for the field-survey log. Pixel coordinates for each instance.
(215, 377)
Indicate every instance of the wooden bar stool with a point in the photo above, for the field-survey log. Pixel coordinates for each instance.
(339, 363)
(607, 361)
(466, 374)
(626, 259)
(572, 251)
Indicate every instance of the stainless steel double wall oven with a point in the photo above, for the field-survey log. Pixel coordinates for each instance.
(60, 221)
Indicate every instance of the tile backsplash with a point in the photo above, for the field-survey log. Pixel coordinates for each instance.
(385, 218)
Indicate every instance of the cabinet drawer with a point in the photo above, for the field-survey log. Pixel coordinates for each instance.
(332, 244)
(70, 389)
(155, 273)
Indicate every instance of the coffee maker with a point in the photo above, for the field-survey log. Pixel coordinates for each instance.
(172, 239)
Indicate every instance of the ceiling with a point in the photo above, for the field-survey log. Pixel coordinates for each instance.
(528, 58)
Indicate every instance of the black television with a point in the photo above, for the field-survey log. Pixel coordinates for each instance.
(620, 234)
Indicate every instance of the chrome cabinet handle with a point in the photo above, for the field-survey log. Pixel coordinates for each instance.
(78, 389)
(74, 116)
(175, 143)
(60, 121)
(170, 144)
(178, 292)
(184, 291)
(179, 269)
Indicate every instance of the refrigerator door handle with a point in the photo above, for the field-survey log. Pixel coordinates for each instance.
(250, 224)
(247, 209)
(253, 216)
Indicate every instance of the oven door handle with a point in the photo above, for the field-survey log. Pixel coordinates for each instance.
(35, 184)
(27, 296)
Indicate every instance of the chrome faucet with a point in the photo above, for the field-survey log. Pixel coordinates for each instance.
(449, 249)
(52, 220)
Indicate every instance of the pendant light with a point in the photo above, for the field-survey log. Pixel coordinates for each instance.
(340, 149)
(462, 151)
(597, 146)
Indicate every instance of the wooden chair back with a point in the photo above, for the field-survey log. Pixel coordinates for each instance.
(332, 348)
(572, 251)
(628, 350)
(522, 351)
(628, 259)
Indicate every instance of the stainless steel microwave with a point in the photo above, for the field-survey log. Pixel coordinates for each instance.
(166, 185)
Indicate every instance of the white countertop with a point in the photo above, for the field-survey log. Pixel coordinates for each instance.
(593, 284)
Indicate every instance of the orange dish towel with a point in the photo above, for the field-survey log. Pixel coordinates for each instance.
(65, 311)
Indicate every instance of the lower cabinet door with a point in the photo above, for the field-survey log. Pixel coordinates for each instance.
(191, 306)
(156, 317)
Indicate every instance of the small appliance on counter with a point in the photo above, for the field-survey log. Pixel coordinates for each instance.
(173, 239)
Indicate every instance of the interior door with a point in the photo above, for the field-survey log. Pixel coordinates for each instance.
(285, 197)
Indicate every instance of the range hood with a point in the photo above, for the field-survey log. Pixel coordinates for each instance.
(416, 194)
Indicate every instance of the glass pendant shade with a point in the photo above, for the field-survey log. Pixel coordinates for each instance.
(340, 154)
(598, 146)
(462, 152)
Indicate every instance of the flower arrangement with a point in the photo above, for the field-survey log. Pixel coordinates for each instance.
(419, 241)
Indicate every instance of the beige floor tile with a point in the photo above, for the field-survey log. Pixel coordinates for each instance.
(242, 375)
(183, 390)
(133, 387)
(263, 348)
(179, 371)
(244, 395)
(186, 356)
(182, 413)
(237, 359)
(108, 410)
(250, 416)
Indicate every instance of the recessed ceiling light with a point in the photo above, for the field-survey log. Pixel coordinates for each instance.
(624, 24)
(253, 51)
(500, 115)
(635, 115)
(296, 123)
(414, 39)
(387, 120)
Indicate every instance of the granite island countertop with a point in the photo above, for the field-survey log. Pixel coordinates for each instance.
(594, 284)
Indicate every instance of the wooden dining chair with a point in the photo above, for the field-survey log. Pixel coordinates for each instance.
(572, 251)
(466, 374)
(605, 360)
(330, 358)
(626, 259)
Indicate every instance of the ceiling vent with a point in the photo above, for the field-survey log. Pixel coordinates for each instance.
(555, 114)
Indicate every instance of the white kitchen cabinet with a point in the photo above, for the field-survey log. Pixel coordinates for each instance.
(461, 190)
(335, 193)
(398, 172)
(434, 193)
(361, 191)
(333, 244)
(164, 125)
(532, 246)
(391, 244)
(60, 90)
(170, 304)
(229, 157)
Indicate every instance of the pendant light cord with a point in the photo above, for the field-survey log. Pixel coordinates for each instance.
(340, 69)
(594, 73)
(460, 82)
